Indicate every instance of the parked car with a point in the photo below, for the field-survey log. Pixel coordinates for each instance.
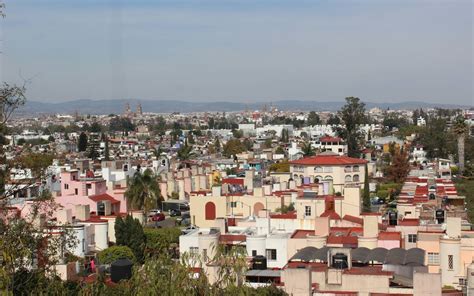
(158, 217)
(189, 229)
(174, 213)
(153, 212)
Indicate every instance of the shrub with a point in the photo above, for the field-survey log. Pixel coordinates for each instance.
(113, 253)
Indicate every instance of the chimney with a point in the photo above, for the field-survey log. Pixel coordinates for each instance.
(83, 212)
(221, 223)
(216, 191)
(64, 216)
(371, 225)
(453, 227)
(321, 226)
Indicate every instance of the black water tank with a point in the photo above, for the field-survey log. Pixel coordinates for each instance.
(392, 218)
(259, 262)
(339, 261)
(439, 216)
(121, 270)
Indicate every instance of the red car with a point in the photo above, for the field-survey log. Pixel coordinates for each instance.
(158, 217)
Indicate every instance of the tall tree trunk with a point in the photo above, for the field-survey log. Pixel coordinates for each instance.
(461, 138)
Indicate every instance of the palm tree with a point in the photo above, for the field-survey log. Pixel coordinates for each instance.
(143, 191)
(460, 129)
(307, 149)
(185, 152)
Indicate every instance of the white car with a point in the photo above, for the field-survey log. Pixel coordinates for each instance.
(153, 212)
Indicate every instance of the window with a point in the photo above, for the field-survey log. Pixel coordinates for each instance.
(271, 254)
(76, 191)
(450, 262)
(193, 250)
(355, 178)
(318, 169)
(307, 210)
(328, 178)
(433, 258)
(348, 178)
(355, 168)
(66, 186)
(210, 211)
(89, 186)
(254, 253)
(462, 282)
(328, 169)
(412, 238)
(348, 169)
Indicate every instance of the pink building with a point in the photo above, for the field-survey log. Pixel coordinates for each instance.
(90, 190)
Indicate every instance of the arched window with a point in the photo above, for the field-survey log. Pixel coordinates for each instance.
(355, 178)
(328, 178)
(348, 169)
(317, 179)
(210, 211)
(318, 169)
(348, 178)
(257, 207)
(355, 168)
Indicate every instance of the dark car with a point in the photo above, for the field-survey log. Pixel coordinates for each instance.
(185, 219)
(174, 213)
(158, 217)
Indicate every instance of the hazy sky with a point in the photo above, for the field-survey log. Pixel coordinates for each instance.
(378, 50)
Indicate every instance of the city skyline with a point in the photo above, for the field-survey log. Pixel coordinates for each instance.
(240, 50)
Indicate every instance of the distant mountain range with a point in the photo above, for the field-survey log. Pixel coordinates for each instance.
(168, 106)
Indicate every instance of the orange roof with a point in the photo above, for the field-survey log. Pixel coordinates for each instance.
(302, 233)
(330, 139)
(409, 222)
(353, 219)
(103, 197)
(390, 235)
(328, 160)
(368, 270)
(331, 214)
(289, 215)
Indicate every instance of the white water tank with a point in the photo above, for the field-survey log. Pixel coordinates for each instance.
(450, 249)
(470, 280)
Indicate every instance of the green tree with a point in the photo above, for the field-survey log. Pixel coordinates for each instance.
(435, 138)
(106, 149)
(233, 147)
(285, 138)
(279, 150)
(217, 145)
(313, 118)
(185, 152)
(143, 192)
(353, 115)
(82, 142)
(129, 232)
(161, 240)
(114, 253)
(366, 193)
(460, 129)
(307, 149)
(333, 120)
